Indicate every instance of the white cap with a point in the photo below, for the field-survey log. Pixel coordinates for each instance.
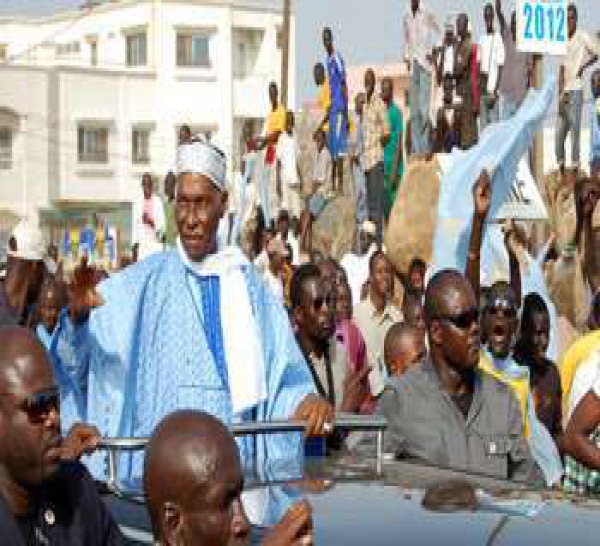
(205, 159)
(29, 242)
(369, 228)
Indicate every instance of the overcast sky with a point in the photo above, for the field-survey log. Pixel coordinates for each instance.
(366, 31)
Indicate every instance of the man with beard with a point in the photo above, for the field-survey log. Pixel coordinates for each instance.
(446, 411)
(43, 498)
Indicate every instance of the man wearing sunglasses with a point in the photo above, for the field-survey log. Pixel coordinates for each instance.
(500, 324)
(43, 498)
(446, 411)
(327, 359)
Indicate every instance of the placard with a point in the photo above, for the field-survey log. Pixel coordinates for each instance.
(542, 26)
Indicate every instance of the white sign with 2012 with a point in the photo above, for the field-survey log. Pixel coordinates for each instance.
(542, 26)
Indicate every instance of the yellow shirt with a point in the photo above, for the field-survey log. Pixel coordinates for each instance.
(276, 120)
(520, 387)
(324, 101)
(574, 356)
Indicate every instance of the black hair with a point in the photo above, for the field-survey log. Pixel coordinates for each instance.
(501, 290)
(411, 299)
(417, 263)
(376, 256)
(595, 310)
(533, 305)
(304, 273)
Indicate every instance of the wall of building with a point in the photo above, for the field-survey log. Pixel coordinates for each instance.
(23, 97)
(54, 87)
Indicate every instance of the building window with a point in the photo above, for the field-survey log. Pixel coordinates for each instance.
(136, 49)
(140, 146)
(193, 50)
(67, 49)
(6, 149)
(94, 53)
(246, 51)
(92, 144)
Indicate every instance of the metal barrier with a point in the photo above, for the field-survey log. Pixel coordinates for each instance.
(345, 422)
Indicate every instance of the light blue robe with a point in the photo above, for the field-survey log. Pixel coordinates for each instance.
(145, 353)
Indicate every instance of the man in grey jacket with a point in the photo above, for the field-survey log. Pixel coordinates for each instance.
(446, 411)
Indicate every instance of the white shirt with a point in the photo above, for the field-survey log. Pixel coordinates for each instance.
(492, 58)
(421, 32)
(261, 262)
(321, 166)
(374, 327)
(275, 284)
(357, 271)
(586, 378)
(294, 245)
(148, 238)
(288, 154)
(448, 61)
(579, 49)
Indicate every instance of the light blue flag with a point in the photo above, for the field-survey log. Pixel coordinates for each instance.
(500, 149)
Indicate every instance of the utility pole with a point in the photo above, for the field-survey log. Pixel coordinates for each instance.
(285, 52)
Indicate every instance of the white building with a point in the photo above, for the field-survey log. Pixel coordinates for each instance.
(92, 99)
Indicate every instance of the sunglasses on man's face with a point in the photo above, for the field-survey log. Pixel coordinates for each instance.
(505, 310)
(319, 302)
(39, 405)
(464, 320)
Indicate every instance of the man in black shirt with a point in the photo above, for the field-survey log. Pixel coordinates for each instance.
(43, 499)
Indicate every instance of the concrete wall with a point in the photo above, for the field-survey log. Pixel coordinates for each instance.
(54, 93)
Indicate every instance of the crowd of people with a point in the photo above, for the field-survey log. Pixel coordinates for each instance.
(211, 327)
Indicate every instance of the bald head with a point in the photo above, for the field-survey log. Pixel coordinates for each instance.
(22, 358)
(404, 347)
(192, 469)
(452, 318)
(441, 290)
(29, 410)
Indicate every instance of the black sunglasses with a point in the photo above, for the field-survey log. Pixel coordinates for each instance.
(318, 303)
(502, 311)
(39, 405)
(463, 320)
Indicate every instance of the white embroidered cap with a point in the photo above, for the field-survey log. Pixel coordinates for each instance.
(29, 242)
(205, 159)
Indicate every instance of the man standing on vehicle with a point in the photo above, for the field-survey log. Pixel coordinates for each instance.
(446, 411)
